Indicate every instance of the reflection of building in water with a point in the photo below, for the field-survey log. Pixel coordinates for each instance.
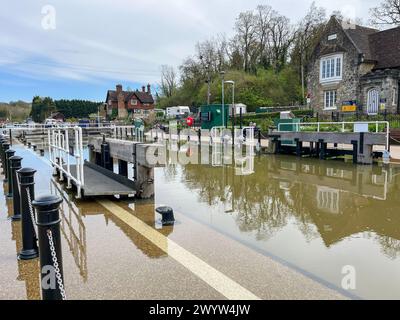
(339, 199)
(328, 199)
(73, 229)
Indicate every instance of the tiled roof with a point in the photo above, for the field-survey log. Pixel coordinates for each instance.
(143, 97)
(360, 37)
(385, 48)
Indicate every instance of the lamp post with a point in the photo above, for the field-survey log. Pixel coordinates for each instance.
(222, 73)
(233, 102)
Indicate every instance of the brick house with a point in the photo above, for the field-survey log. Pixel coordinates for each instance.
(354, 68)
(133, 104)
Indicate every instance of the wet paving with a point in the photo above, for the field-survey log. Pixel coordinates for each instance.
(283, 231)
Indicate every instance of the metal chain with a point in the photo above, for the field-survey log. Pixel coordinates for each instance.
(55, 265)
(31, 211)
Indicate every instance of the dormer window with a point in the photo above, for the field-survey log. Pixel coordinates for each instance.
(331, 68)
(134, 102)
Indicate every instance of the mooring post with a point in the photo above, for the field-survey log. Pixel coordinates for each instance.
(10, 137)
(29, 144)
(9, 154)
(2, 151)
(27, 194)
(48, 222)
(6, 146)
(15, 165)
(167, 215)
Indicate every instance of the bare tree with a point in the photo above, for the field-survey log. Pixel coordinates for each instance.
(168, 80)
(246, 36)
(306, 35)
(280, 40)
(387, 14)
(264, 15)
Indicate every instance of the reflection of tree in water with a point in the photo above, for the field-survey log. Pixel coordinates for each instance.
(260, 205)
(264, 202)
(390, 246)
(170, 172)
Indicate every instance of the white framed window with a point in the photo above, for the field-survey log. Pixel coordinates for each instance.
(134, 102)
(331, 68)
(332, 37)
(330, 98)
(394, 97)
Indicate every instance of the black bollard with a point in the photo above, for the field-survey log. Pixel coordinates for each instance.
(15, 165)
(1, 150)
(6, 146)
(9, 154)
(167, 215)
(27, 193)
(42, 152)
(48, 222)
(34, 147)
(29, 145)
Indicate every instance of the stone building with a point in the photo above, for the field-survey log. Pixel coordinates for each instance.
(354, 68)
(133, 104)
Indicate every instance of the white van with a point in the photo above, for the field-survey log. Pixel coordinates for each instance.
(180, 111)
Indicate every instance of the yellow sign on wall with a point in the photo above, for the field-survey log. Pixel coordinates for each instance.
(349, 108)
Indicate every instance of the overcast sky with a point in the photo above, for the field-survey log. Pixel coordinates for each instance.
(97, 43)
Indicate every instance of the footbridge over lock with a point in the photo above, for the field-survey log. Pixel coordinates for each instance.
(93, 171)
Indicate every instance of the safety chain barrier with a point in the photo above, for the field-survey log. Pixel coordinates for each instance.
(55, 264)
(45, 241)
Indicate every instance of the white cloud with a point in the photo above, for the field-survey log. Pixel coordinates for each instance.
(124, 39)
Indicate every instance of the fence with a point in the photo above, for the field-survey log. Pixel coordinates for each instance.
(60, 152)
(393, 119)
(343, 127)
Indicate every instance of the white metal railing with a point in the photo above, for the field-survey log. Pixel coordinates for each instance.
(345, 126)
(137, 134)
(59, 147)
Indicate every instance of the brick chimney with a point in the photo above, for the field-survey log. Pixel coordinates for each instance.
(149, 89)
(122, 113)
(143, 89)
(119, 88)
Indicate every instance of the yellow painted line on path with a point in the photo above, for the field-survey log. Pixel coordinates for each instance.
(214, 278)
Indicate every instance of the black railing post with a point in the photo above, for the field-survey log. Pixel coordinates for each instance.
(9, 154)
(15, 165)
(6, 146)
(48, 222)
(29, 240)
(199, 135)
(2, 140)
